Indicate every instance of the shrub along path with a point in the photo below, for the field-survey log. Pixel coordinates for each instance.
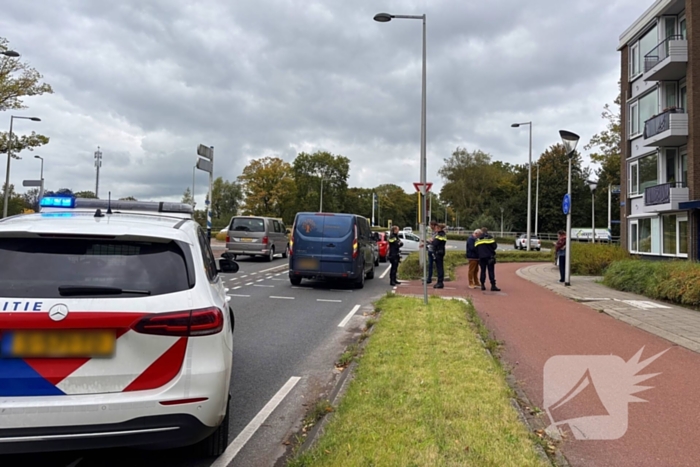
(535, 324)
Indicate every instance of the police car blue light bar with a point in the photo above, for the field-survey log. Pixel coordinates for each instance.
(57, 202)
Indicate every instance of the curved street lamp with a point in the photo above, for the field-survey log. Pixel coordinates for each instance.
(385, 18)
(529, 183)
(9, 53)
(592, 185)
(569, 140)
(9, 157)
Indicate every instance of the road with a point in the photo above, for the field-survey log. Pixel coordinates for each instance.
(286, 341)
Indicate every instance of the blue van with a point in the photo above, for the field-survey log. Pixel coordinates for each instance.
(330, 245)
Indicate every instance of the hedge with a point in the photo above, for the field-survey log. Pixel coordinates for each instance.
(592, 259)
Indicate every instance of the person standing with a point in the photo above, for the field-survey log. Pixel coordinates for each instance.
(431, 256)
(486, 250)
(560, 253)
(473, 258)
(394, 255)
(439, 242)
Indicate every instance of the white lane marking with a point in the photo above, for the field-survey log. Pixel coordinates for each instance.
(297, 287)
(243, 277)
(249, 283)
(332, 301)
(237, 287)
(237, 295)
(340, 290)
(253, 273)
(276, 267)
(386, 271)
(350, 315)
(259, 280)
(279, 279)
(262, 285)
(237, 444)
(282, 298)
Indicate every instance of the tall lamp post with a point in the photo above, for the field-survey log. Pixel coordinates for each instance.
(537, 199)
(529, 182)
(384, 18)
(41, 189)
(570, 140)
(592, 185)
(9, 157)
(501, 222)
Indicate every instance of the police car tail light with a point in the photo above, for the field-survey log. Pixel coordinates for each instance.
(202, 322)
(354, 245)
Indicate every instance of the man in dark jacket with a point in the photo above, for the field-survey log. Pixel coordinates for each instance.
(486, 251)
(394, 255)
(473, 258)
(431, 256)
(438, 244)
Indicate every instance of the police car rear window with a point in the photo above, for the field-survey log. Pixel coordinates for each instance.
(37, 267)
(328, 226)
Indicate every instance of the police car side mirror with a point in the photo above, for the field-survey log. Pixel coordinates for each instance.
(227, 265)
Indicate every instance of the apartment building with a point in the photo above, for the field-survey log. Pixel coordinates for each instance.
(660, 186)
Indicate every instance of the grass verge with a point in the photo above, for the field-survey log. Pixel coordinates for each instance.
(410, 269)
(424, 393)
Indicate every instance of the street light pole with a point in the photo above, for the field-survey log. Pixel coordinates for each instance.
(537, 199)
(41, 189)
(529, 183)
(383, 18)
(501, 222)
(593, 185)
(320, 207)
(98, 164)
(193, 202)
(570, 140)
(9, 157)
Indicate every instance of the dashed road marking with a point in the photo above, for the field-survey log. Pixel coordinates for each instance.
(325, 300)
(262, 285)
(386, 271)
(237, 295)
(237, 287)
(281, 298)
(249, 283)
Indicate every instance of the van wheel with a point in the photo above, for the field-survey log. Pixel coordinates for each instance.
(286, 252)
(370, 274)
(295, 280)
(360, 281)
(215, 444)
(271, 256)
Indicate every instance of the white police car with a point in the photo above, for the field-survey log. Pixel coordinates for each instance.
(115, 329)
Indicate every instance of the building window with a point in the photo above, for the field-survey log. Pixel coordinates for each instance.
(634, 119)
(684, 169)
(669, 234)
(683, 29)
(671, 166)
(634, 61)
(648, 172)
(683, 236)
(648, 107)
(634, 239)
(670, 98)
(634, 178)
(684, 98)
(644, 235)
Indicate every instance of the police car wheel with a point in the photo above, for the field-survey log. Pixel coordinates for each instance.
(215, 444)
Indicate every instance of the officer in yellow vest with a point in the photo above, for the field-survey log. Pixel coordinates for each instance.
(394, 255)
(439, 247)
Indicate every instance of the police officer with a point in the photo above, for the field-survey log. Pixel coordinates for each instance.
(431, 256)
(394, 255)
(486, 251)
(438, 244)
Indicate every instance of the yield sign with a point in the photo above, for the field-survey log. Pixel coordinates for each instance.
(420, 187)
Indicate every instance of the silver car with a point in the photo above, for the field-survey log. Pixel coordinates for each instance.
(257, 236)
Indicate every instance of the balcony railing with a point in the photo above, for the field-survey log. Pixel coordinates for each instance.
(660, 194)
(660, 123)
(659, 53)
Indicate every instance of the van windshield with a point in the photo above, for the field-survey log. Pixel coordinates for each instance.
(324, 225)
(247, 224)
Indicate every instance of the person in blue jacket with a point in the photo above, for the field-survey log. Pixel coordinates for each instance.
(473, 258)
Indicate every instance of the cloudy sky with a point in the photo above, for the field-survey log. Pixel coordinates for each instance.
(149, 80)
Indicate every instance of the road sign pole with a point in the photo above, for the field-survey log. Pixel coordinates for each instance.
(567, 266)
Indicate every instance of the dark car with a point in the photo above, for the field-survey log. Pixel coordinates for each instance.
(331, 246)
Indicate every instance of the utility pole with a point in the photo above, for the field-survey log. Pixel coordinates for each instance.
(501, 222)
(98, 164)
(537, 197)
(373, 201)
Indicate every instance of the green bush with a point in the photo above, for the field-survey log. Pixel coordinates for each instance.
(674, 281)
(410, 269)
(591, 259)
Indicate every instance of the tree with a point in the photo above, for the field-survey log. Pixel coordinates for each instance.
(187, 197)
(308, 171)
(226, 197)
(268, 187)
(85, 194)
(397, 205)
(608, 149)
(31, 199)
(128, 198)
(16, 203)
(18, 80)
(359, 201)
(61, 192)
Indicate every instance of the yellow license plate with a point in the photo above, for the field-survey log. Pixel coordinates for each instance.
(59, 344)
(308, 264)
(247, 240)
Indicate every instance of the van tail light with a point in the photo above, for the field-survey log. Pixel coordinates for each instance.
(265, 240)
(189, 323)
(228, 239)
(291, 244)
(354, 245)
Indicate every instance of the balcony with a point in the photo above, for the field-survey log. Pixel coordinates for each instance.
(669, 128)
(665, 197)
(668, 61)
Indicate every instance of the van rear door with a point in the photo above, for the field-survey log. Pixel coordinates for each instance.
(337, 246)
(308, 239)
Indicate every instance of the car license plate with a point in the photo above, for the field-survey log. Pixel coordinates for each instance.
(309, 264)
(58, 344)
(247, 240)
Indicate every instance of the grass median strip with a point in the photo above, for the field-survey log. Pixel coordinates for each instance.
(424, 393)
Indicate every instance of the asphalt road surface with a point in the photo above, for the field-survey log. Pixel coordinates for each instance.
(286, 341)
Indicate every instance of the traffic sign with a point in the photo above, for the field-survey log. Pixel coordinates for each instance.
(205, 151)
(566, 204)
(31, 183)
(419, 187)
(205, 165)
